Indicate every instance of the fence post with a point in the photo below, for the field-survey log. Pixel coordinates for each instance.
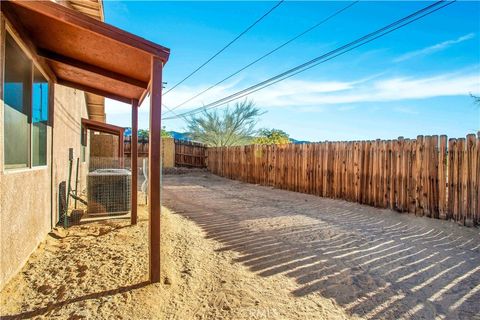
(471, 178)
(442, 178)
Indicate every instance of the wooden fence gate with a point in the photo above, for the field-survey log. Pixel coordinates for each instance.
(190, 154)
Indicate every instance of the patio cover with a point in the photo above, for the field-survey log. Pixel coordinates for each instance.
(80, 52)
(85, 53)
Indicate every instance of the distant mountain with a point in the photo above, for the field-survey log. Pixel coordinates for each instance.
(298, 141)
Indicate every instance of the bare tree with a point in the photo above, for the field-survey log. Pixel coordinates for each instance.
(225, 128)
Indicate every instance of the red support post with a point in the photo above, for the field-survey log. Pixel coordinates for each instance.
(154, 167)
(134, 161)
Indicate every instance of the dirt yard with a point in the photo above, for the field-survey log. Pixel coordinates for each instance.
(99, 271)
(375, 263)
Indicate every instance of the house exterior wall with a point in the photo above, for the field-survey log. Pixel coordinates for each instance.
(29, 197)
(69, 109)
(25, 209)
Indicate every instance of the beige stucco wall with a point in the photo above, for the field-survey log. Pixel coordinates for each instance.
(29, 197)
(70, 107)
(24, 212)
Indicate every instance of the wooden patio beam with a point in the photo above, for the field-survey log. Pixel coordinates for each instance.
(79, 20)
(94, 90)
(154, 167)
(144, 94)
(103, 127)
(52, 56)
(134, 161)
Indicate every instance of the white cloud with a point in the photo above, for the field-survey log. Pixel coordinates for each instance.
(432, 49)
(347, 108)
(316, 96)
(297, 93)
(113, 107)
(183, 93)
(282, 92)
(406, 110)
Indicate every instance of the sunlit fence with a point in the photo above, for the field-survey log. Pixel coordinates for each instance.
(190, 154)
(175, 153)
(430, 176)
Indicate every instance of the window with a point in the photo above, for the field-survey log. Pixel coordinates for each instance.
(18, 81)
(26, 100)
(39, 119)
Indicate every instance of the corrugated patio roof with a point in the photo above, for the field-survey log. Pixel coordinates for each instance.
(85, 53)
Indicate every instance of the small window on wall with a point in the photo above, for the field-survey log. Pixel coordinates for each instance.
(39, 119)
(18, 81)
(26, 111)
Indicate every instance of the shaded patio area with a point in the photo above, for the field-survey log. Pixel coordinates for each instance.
(81, 52)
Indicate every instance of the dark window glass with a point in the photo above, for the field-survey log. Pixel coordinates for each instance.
(17, 87)
(39, 119)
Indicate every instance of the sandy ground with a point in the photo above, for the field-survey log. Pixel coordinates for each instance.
(375, 263)
(98, 271)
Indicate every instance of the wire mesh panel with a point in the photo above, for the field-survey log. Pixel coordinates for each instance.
(108, 191)
(108, 181)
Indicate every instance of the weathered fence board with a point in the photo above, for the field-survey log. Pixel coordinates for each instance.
(190, 154)
(428, 176)
(177, 152)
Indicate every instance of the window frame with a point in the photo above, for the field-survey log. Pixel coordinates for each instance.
(8, 29)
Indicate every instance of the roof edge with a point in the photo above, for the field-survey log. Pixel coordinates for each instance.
(73, 17)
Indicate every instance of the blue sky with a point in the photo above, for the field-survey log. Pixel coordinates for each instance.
(413, 81)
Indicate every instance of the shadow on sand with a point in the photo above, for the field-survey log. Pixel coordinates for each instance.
(375, 263)
(95, 295)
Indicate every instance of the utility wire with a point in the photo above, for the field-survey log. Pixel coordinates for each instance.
(323, 61)
(267, 54)
(225, 47)
(323, 58)
(175, 113)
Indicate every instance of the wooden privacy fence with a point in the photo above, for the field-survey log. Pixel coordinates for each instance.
(429, 176)
(190, 154)
(168, 150)
(142, 147)
(174, 152)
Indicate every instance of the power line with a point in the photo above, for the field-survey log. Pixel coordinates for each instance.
(171, 110)
(225, 47)
(324, 58)
(267, 54)
(292, 70)
(323, 61)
